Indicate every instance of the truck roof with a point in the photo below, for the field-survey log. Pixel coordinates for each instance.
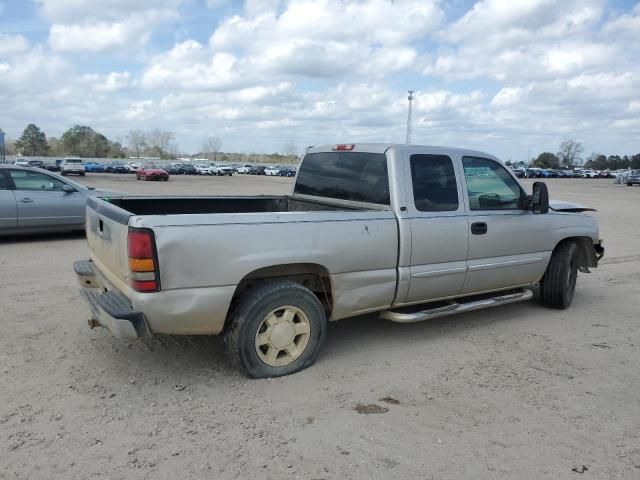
(383, 147)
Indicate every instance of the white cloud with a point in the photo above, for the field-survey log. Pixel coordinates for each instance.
(110, 83)
(12, 44)
(100, 25)
(80, 11)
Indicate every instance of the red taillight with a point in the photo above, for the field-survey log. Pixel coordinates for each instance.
(142, 260)
(344, 147)
(140, 243)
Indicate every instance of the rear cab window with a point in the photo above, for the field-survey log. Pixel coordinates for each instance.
(434, 183)
(351, 176)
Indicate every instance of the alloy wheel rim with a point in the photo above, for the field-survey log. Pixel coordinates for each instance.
(282, 336)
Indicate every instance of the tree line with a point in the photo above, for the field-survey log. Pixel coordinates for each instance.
(83, 141)
(569, 156)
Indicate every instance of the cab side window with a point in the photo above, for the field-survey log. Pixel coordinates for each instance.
(434, 183)
(489, 185)
(3, 182)
(35, 181)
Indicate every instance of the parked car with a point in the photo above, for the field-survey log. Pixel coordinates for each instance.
(151, 171)
(221, 169)
(633, 178)
(244, 169)
(519, 172)
(257, 170)
(36, 201)
(72, 165)
(171, 169)
(590, 174)
(204, 169)
(177, 168)
(117, 167)
(287, 172)
(94, 167)
(358, 236)
(272, 171)
(189, 169)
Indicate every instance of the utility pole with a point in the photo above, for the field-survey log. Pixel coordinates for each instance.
(2, 151)
(409, 119)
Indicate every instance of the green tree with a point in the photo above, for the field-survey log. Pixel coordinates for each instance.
(546, 160)
(32, 142)
(83, 141)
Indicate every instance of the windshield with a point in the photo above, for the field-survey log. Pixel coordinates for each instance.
(151, 165)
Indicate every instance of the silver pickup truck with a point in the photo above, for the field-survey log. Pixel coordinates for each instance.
(408, 231)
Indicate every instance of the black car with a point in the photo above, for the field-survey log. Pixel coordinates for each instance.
(172, 169)
(189, 169)
(116, 167)
(287, 172)
(257, 170)
(36, 164)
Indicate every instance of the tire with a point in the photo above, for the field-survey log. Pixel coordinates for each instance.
(558, 284)
(629, 184)
(275, 300)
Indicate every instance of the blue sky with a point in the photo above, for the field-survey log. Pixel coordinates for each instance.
(498, 75)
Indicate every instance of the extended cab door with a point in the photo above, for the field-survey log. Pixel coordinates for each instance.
(439, 227)
(506, 242)
(8, 209)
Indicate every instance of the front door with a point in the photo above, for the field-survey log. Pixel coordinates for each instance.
(8, 209)
(439, 229)
(42, 202)
(506, 242)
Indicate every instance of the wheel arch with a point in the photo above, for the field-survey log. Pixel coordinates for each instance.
(313, 276)
(586, 252)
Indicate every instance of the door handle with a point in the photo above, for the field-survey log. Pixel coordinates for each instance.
(478, 228)
(26, 200)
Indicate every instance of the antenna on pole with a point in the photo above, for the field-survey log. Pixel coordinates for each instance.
(409, 119)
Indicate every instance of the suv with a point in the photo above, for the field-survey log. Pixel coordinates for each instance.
(72, 165)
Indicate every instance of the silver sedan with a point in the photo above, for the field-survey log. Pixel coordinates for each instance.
(34, 201)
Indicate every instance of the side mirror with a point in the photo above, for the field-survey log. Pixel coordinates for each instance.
(540, 198)
(68, 189)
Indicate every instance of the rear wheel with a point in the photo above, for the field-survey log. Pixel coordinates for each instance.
(277, 328)
(558, 284)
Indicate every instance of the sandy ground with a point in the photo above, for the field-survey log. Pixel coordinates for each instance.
(516, 392)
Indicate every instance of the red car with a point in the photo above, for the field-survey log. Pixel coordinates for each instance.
(151, 172)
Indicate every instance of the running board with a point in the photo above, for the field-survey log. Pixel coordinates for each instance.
(455, 307)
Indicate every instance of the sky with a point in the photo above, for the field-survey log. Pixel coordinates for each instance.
(513, 78)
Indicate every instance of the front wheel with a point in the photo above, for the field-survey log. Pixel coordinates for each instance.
(559, 281)
(277, 328)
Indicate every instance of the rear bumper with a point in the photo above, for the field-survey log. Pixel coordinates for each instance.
(109, 307)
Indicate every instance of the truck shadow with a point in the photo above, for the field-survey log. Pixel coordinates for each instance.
(191, 357)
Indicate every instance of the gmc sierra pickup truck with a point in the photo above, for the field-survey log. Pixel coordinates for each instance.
(411, 232)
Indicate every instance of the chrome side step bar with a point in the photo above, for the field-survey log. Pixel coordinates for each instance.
(455, 307)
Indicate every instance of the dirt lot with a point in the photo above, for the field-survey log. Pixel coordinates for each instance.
(514, 392)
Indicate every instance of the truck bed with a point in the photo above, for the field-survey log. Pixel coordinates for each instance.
(194, 205)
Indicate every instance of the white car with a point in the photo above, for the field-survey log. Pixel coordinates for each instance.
(72, 165)
(272, 171)
(590, 174)
(203, 169)
(244, 169)
(221, 170)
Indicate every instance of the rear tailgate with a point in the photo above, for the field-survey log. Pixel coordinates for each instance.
(107, 229)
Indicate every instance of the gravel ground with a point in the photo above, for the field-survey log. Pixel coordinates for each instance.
(513, 392)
